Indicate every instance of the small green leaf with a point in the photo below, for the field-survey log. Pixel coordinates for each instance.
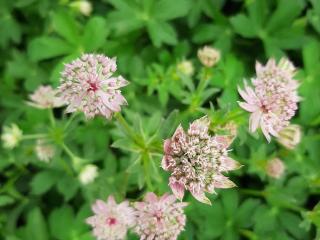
(68, 187)
(43, 181)
(65, 25)
(36, 228)
(243, 26)
(95, 33)
(161, 32)
(61, 222)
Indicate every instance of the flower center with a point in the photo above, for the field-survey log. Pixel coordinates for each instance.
(111, 221)
(158, 215)
(93, 86)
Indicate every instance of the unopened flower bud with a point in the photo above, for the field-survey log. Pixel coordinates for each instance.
(11, 136)
(83, 6)
(275, 168)
(88, 174)
(208, 56)
(290, 136)
(45, 151)
(186, 68)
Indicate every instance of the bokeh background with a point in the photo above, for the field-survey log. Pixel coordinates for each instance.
(150, 39)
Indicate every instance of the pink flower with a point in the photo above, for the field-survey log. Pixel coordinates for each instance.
(159, 218)
(197, 161)
(45, 97)
(87, 85)
(111, 220)
(273, 100)
(290, 136)
(275, 168)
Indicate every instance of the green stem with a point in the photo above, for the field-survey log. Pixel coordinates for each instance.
(73, 116)
(34, 136)
(73, 157)
(51, 117)
(248, 234)
(252, 192)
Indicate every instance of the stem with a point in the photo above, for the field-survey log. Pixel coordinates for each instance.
(252, 192)
(34, 136)
(72, 156)
(73, 116)
(51, 117)
(248, 234)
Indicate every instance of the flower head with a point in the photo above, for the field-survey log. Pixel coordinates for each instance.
(11, 136)
(87, 85)
(208, 56)
(290, 136)
(186, 68)
(197, 161)
(275, 168)
(160, 218)
(111, 220)
(45, 151)
(273, 100)
(45, 97)
(83, 6)
(88, 174)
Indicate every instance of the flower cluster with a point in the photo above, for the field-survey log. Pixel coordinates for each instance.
(197, 161)
(45, 151)
(275, 168)
(273, 100)
(208, 56)
(290, 136)
(111, 220)
(87, 85)
(11, 136)
(45, 97)
(88, 174)
(160, 218)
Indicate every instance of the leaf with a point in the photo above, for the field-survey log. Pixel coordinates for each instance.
(42, 48)
(61, 222)
(291, 223)
(246, 211)
(95, 33)
(167, 9)
(68, 187)
(65, 25)
(243, 26)
(161, 32)
(43, 181)
(230, 200)
(5, 200)
(36, 228)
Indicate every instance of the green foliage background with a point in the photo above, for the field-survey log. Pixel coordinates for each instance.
(41, 201)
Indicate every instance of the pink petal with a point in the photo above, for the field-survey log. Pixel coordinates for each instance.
(151, 197)
(229, 164)
(99, 206)
(254, 121)
(200, 196)
(248, 107)
(265, 131)
(165, 162)
(177, 188)
(167, 146)
(221, 181)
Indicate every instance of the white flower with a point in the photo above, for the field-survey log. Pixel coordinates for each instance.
(83, 6)
(11, 136)
(185, 67)
(88, 174)
(208, 56)
(45, 151)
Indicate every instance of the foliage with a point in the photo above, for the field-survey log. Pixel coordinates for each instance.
(150, 38)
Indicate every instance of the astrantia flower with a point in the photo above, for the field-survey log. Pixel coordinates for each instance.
(197, 161)
(273, 100)
(290, 136)
(11, 136)
(45, 151)
(45, 97)
(111, 220)
(159, 218)
(87, 85)
(275, 168)
(208, 56)
(88, 174)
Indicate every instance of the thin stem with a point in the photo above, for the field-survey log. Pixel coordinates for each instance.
(73, 116)
(252, 192)
(51, 117)
(34, 136)
(73, 157)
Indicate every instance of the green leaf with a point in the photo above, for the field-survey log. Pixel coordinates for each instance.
(42, 48)
(43, 181)
(243, 26)
(61, 222)
(167, 9)
(95, 33)
(230, 200)
(291, 223)
(65, 25)
(36, 228)
(5, 200)
(246, 211)
(68, 187)
(161, 32)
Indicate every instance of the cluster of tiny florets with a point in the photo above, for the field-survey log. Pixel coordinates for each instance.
(87, 85)
(197, 160)
(273, 100)
(111, 220)
(156, 218)
(45, 97)
(44, 150)
(159, 218)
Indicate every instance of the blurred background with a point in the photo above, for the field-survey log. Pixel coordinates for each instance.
(156, 44)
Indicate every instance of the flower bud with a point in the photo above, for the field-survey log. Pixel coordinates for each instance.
(83, 6)
(275, 168)
(186, 68)
(11, 136)
(88, 174)
(208, 56)
(290, 136)
(45, 151)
